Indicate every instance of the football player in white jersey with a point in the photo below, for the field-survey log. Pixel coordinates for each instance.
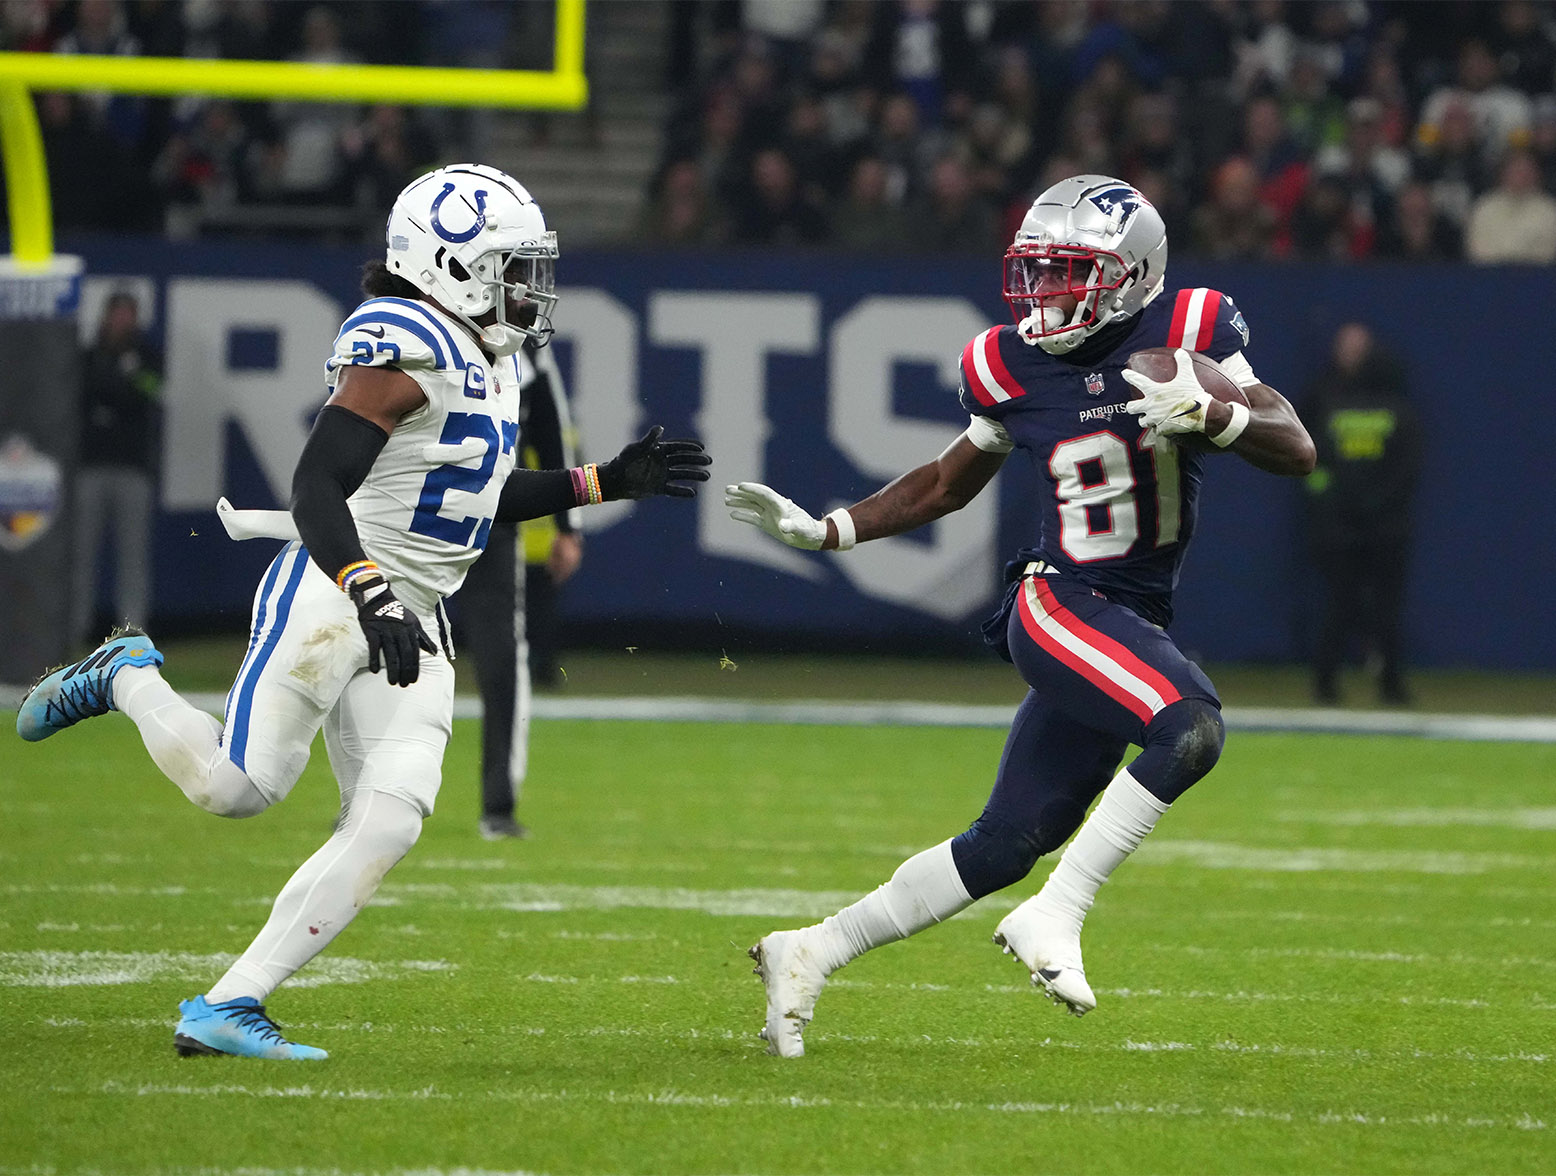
(406, 468)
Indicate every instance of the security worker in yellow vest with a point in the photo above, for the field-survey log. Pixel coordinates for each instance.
(1361, 496)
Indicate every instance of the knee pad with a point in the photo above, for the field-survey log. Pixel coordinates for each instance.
(228, 792)
(383, 822)
(1056, 820)
(1191, 733)
(993, 854)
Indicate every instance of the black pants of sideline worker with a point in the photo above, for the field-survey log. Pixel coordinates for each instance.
(492, 633)
(1364, 598)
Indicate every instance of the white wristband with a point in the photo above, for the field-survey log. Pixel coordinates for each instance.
(845, 528)
(1235, 426)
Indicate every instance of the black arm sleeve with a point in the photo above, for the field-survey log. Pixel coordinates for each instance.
(340, 451)
(543, 427)
(543, 434)
(532, 494)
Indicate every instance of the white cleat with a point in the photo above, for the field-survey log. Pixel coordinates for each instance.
(793, 981)
(1051, 952)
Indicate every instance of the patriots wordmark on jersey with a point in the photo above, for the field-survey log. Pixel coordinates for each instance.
(1120, 511)
(449, 458)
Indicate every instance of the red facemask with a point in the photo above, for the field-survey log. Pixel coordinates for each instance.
(1037, 276)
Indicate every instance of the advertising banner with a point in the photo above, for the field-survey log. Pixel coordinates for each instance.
(39, 387)
(826, 376)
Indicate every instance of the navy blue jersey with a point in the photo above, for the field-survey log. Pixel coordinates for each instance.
(1116, 514)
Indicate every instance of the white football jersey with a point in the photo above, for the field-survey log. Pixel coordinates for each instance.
(426, 507)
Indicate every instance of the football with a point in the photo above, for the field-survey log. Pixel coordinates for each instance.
(1160, 363)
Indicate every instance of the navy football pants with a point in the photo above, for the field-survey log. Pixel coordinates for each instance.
(1101, 678)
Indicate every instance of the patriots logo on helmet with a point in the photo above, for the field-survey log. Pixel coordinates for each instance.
(1118, 204)
(1094, 384)
(1240, 325)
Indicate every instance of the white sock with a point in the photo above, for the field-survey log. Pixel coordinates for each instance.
(1126, 813)
(925, 890)
(182, 740)
(324, 895)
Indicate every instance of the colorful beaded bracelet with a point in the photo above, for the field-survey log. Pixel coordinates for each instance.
(352, 571)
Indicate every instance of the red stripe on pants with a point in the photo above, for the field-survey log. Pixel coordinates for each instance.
(1051, 644)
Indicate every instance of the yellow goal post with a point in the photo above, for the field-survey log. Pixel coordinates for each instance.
(563, 87)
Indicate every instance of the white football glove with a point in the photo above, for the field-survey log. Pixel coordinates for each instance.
(764, 507)
(1177, 405)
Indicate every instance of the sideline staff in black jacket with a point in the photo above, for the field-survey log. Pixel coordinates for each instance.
(1368, 438)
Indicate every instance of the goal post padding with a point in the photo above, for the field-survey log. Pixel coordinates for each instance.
(40, 391)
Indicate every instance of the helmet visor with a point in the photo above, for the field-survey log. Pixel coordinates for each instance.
(528, 281)
(1039, 276)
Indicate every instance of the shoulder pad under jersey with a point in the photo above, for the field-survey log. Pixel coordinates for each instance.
(396, 332)
(986, 364)
(1207, 320)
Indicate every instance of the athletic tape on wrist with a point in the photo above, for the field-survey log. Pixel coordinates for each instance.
(1235, 426)
(844, 522)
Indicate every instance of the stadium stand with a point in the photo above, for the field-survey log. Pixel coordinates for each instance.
(1336, 130)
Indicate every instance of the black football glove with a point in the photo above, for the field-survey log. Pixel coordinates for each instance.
(393, 633)
(651, 466)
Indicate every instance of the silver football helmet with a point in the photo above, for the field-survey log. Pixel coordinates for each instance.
(472, 238)
(1092, 238)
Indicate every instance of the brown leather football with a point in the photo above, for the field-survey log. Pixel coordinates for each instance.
(1159, 363)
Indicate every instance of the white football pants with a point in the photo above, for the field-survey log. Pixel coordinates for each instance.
(306, 668)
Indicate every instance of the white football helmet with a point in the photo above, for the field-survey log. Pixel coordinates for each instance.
(467, 235)
(1092, 237)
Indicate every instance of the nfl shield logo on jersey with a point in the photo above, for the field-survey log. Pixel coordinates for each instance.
(31, 492)
(1094, 384)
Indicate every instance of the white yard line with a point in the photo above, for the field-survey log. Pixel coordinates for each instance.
(1490, 817)
(1430, 919)
(62, 969)
(1372, 887)
(788, 902)
(795, 903)
(1432, 959)
(532, 896)
(672, 1097)
(1240, 996)
(1254, 1050)
(1226, 855)
(835, 712)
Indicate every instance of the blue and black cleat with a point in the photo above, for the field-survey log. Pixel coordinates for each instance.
(75, 692)
(238, 1028)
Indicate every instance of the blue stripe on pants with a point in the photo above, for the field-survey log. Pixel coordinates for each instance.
(259, 623)
(248, 678)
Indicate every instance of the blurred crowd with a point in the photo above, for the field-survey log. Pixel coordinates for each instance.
(1326, 129)
(1337, 130)
(129, 163)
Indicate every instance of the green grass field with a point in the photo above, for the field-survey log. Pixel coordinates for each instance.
(209, 663)
(1333, 956)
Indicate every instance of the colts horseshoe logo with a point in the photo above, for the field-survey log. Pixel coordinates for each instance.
(468, 234)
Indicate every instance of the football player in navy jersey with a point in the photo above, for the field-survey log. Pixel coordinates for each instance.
(1121, 457)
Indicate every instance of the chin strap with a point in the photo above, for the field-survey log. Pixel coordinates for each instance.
(1055, 343)
(501, 339)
